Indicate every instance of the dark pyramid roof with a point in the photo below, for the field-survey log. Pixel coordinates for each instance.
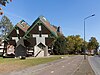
(22, 25)
(46, 23)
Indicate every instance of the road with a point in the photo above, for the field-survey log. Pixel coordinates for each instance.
(95, 64)
(65, 66)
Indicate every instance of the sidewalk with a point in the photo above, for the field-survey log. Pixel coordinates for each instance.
(84, 69)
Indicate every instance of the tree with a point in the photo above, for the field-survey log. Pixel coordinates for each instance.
(74, 44)
(5, 26)
(93, 44)
(78, 43)
(59, 46)
(3, 2)
(1, 13)
(70, 44)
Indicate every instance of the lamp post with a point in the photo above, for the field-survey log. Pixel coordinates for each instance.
(84, 35)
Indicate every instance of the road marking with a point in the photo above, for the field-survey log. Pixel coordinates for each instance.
(77, 68)
(72, 61)
(68, 63)
(63, 66)
(52, 71)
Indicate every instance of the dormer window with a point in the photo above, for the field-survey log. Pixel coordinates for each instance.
(17, 31)
(22, 23)
(39, 28)
(44, 19)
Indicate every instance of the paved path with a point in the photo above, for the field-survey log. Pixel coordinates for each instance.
(95, 63)
(65, 66)
(85, 69)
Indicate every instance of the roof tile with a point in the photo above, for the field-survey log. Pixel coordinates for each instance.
(23, 25)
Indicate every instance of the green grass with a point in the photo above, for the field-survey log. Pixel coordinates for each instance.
(12, 64)
(29, 62)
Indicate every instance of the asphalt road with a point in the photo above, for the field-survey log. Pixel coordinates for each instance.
(65, 66)
(95, 64)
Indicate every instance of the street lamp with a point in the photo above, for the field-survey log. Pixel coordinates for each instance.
(84, 34)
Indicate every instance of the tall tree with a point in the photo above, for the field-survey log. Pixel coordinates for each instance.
(78, 43)
(74, 44)
(70, 44)
(5, 26)
(93, 44)
(59, 46)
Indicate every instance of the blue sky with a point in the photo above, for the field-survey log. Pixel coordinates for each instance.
(69, 14)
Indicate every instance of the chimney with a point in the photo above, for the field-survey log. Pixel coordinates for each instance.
(59, 29)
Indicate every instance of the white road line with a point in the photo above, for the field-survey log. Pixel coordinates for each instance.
(52, 71)
(72, 61)
(68, 63)
(63, 66)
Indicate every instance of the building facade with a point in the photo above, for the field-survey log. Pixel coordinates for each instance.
(31, 40)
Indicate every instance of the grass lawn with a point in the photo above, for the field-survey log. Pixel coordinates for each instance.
(10, 64)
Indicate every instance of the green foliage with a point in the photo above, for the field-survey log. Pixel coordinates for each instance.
(4, 2)
(93, 44)
(59, 46)
(5, 26)
(69, 45)
(74, 44)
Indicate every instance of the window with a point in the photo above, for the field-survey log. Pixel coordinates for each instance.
(39, 28)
